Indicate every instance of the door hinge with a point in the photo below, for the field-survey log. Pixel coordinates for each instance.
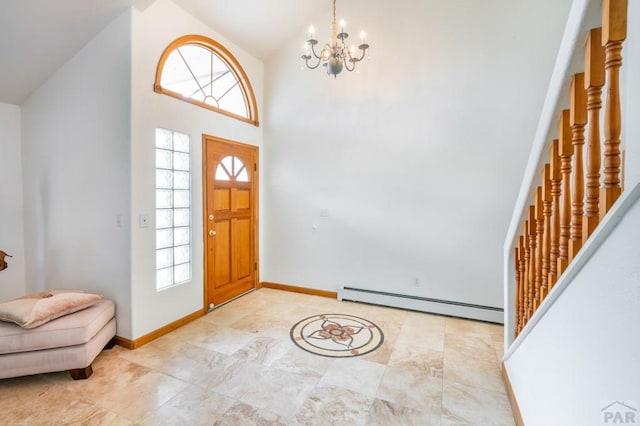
(255, 167)
(255, 266)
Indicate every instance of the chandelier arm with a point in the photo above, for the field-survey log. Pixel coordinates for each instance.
(346, 63)
(364, 52)
(310, 66)
(313, 50)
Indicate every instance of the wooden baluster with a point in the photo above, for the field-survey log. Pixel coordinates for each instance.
(614, 31)
(577, 119)
(517, 297)
(546, 233)
(539, 237)
(532, 260)
(556, 179)
(522, 280)
(565, 149)
(593, 82)
(527, 265)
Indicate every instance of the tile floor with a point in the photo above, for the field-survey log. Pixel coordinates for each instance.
(238, 366)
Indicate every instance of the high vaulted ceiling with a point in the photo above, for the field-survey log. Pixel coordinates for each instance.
(38, 36)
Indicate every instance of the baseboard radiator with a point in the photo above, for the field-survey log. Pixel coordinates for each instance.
(422, 304)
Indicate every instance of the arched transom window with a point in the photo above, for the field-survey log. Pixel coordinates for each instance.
(201, 71)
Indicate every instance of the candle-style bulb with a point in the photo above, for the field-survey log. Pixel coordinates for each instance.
(362, 35)
(342, 23)
(311, 30)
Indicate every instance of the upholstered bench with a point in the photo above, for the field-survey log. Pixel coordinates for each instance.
(70, 342)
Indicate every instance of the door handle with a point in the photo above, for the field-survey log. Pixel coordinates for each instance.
(212, 233)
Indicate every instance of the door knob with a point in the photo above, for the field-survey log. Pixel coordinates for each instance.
(212, 233)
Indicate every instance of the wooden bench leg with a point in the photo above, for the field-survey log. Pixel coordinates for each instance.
(81, 373)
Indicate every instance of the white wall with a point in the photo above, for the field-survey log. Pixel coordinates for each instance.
(586, 349)
(153, 30)
(76, 130)
(417, 157)
(12, 283)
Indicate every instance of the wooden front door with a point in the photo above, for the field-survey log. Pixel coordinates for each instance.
(230, 198)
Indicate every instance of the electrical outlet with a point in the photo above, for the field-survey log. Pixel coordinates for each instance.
(416, 282)
(324, 212)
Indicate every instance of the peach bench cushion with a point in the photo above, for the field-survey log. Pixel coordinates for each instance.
(69, 330)
(37, 309)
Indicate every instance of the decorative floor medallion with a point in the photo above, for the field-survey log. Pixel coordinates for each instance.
(337, 335)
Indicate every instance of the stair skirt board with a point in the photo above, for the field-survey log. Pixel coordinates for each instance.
(423, 304)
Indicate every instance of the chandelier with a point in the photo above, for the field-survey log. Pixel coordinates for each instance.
(337, 55)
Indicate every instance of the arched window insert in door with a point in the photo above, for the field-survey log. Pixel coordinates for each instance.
(201, 71)
(232, 167)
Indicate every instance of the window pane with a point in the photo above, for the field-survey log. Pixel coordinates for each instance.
(163, 138)
(164, 277)
(163, 159)
(180, 161)
(163, 218)
(176, 75)
(163, 178)
(164, 199)
(225, 81)
(181, 217)
(181, 236)
(221, 173)
(181, 180)
(234, 102)
(199, 61)
(164, 238)
(181, 199)
(181, 142)
(164, 258)
(227, 162)
(181, 255)
(182, 273)
(243, 176)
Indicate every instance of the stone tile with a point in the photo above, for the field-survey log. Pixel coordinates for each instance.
(233, 377)
(195, 364)
(299, 361)
(390, 331)
(279, 392)
(471, 371)
(468, 405)
(385, 413)
(354, 374)
(412, 390)
(245, 415)
(468, 328)
(225, 340)
(423, 331)
(328, 405)
(423, 361)
(193, 406)
(225, 315)
(471, 346)
(144, 396)
(265, 350)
